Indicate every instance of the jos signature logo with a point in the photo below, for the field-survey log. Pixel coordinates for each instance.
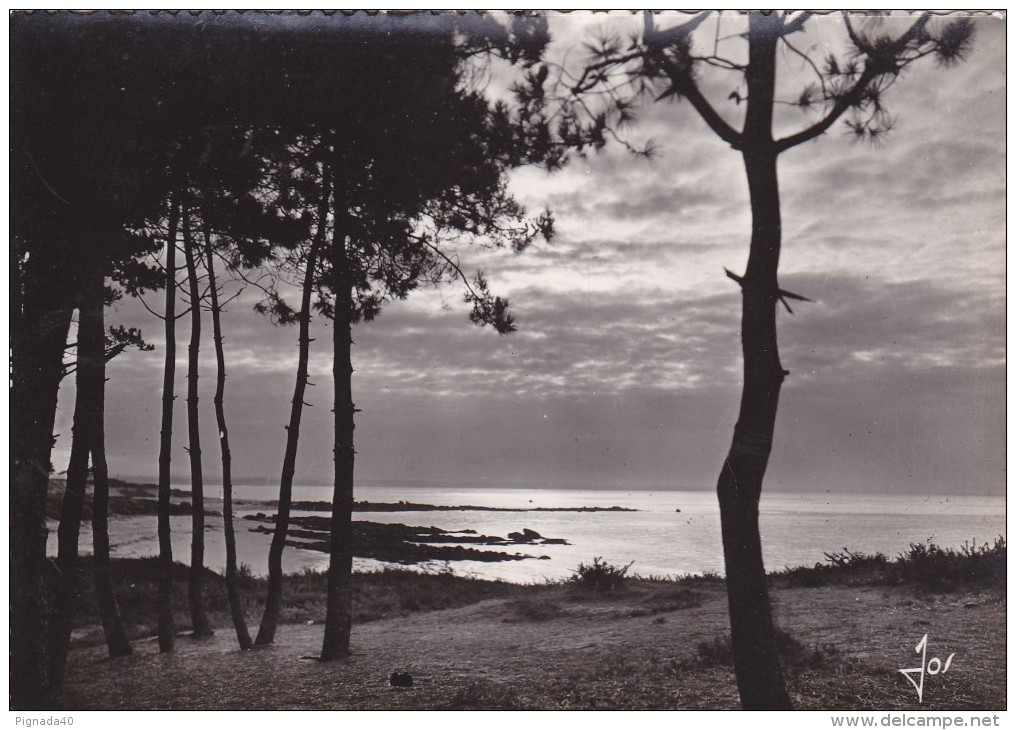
(929, 667)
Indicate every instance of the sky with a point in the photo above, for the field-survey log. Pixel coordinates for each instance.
(625, 371)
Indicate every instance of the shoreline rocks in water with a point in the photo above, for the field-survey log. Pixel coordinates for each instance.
(403, 506)
(132, 500)
(125, 500)
(406, 544)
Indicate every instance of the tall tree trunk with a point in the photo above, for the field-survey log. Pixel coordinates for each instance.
(87, 400)
(117, 643)
(196, 580)
(232, 581)
(39, 335)
(270, 618)
(739, 488)
(339, 610)
(167, 627)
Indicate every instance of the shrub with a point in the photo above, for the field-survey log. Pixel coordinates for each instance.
(939, 569)
(847, 560)
(245, 576)
(925, 564)
(600, 576)
(379, 595)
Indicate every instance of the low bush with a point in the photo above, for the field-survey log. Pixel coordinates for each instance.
(600, 576)
(925, 565)
(944, 570)
(376, 595)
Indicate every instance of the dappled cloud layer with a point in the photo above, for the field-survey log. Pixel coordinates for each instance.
(625, 370)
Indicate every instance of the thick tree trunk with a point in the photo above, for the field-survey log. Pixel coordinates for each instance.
(200, 627)
(339, 610)
(232, 581)
(87, 400)
(40, 325)
(117, 643)
(756, 661)
(273, 602)
(167, 628)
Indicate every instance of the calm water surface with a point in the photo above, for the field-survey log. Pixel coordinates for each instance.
(673, 532)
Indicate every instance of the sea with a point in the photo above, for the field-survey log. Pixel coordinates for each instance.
(670, 533)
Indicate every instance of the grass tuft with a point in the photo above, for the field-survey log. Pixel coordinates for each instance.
(484, 695)
(532, 610)
(794, 655)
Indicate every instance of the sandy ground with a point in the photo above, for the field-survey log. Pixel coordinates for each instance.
(560, 649)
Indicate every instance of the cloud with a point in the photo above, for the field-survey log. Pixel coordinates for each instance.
(626, 367)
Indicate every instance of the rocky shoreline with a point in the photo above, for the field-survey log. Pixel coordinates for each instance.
(393, 543)
(125, 500)
(402, 506)
(405, 544)
(130, 499)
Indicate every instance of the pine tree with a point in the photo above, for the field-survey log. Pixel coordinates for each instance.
(598, 101)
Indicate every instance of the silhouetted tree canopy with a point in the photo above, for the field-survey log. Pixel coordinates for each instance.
(116, 117)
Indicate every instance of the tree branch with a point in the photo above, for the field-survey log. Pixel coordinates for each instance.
(150, 310)
(583, 84)
(796, 24)
(720, 62)
(858, 42)
(227, 300)
(453, 264)
(862, 44)
(689, 90)
(781, 294)
(843, 103)
(652, 37)
(808, 60)
(879, 61)
(115, 350)
(656, 43)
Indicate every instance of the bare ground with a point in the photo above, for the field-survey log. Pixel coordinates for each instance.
(652, 645)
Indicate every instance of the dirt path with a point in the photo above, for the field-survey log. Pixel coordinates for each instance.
(558, 649)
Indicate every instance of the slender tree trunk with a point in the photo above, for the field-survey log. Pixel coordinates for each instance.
(339, 610)
(69, 584)
(117, 643)
(232, 581)
(196, 582)
(40, 324)
(269, 621)
(167, 628)
(88, 380)
(756, 661)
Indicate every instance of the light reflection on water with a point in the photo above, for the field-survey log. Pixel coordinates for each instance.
(796, 529)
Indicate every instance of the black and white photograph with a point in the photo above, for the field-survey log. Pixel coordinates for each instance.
(508, 360)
